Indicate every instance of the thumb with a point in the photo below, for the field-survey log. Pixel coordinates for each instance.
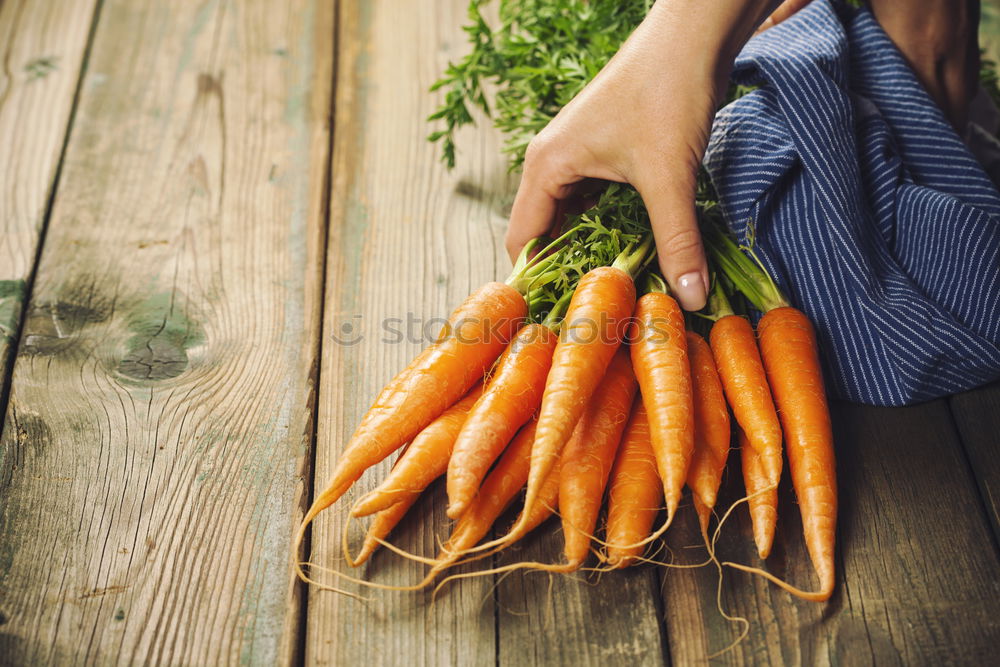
(681, 255)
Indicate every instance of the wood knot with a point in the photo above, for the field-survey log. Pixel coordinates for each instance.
(163, 334)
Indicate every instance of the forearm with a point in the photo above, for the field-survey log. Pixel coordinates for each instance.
(939, 39)
(707, 33)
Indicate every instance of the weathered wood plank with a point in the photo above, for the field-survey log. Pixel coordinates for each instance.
(606, 619)
(154, 450)
(918, 581)
(977, 415)
(42, 48)
(406, 241)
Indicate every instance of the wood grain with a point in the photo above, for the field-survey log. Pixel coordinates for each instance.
(153, 455)
(582, 619)
(408, 241)
(977, 416)
(42, 48)
(918, 579)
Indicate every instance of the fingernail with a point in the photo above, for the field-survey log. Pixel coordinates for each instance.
(691, 291)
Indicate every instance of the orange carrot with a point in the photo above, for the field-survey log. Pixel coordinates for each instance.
(660, 360)
(590, 453)
(742, 371)
(511, 398)
(762, 497)
(635, 493)
(548, 500)
(592, 332)
(506, 481)
(711, 429)
(788, 347)
(791, 361)
(425, 459)
(498, 491)
(474, 337)
(382, 524)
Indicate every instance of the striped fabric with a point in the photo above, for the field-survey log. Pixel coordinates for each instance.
(868, 209)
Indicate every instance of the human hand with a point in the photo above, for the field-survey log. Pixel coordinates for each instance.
(784, 11)
(644, 120)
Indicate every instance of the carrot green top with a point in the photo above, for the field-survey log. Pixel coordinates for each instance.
(743, 269)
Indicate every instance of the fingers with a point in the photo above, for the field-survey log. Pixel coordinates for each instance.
(552, 169)
(544, 182)
(678, 241)
(532, 215)
(785, 10)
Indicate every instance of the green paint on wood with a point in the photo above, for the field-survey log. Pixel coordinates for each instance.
(120, 615)
(39, 68)
(163, 336)
(53, 327)
(11, 300)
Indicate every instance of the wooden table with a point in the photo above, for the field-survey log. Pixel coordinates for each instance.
(209, 209)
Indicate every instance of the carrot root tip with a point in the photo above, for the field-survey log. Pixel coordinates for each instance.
(455, 510)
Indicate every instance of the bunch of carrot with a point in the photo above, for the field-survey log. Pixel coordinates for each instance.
(565, 384)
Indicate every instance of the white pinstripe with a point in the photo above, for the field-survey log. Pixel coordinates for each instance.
(869, 211)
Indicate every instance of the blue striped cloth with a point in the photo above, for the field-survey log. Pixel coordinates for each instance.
(869, 211)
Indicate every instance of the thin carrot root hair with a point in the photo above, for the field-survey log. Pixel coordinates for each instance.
(821, 595)
(655, 535)
(710, 547)
(353, 580)
(640, 558)
(525, 565)
(516, 532)
(300, 573)
(345, 546)
(305, 578)
(732, 619)
(354, 562)
(728, 512)
(488, 596)
(438, 565)
(651, 559)
(433, 562)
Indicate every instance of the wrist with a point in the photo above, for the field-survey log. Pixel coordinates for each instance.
(709, 33)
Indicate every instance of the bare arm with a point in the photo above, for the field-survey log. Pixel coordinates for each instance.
(645, 120)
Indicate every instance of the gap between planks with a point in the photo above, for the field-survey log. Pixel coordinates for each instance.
(8, 350)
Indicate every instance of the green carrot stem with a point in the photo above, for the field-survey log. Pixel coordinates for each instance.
(555, 317)
(718, 302)
(522, 259)
(747, 275)
(654, 282)
(634, 257)
(526, 271)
